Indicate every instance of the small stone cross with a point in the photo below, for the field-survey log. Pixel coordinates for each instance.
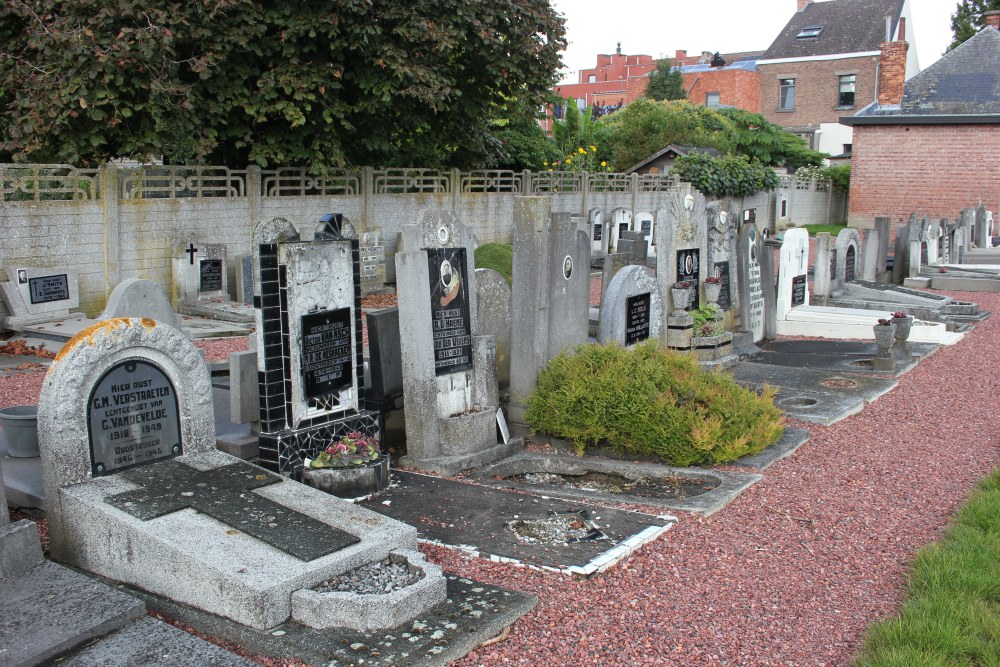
(226, 494)
(191, 250)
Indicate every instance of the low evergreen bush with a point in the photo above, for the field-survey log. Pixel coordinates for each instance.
(651, 402)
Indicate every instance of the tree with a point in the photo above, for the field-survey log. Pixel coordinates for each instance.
(666, 83)
(379, 82)
(968, 19)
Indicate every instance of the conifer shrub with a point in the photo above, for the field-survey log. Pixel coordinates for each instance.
(650, 401)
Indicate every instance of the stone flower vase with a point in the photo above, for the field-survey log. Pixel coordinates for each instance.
(681, 297)
(366, 479)
(884, 336)
(712, 292)
(903, 325)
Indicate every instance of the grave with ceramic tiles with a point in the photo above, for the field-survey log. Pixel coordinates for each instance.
(449, 366)
(681, 235)
(201, 284)
(136, 493)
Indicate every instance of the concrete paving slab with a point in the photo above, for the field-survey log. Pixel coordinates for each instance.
(472, 613)
(839, 356)
(477, 518)
(700, 491)
(52, 609)
(816, 396)
(151, 642)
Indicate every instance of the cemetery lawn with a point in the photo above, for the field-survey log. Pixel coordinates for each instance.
(833, 230)
(951, 615)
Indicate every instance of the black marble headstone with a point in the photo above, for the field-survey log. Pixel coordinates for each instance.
(450, 321)
(799, 291)
(687, 270)
(326, 352)
(850, 263)
(48, 288)
(636, 318)
(721, 272)
(210, 275)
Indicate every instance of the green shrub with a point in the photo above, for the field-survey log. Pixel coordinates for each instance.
(726, 176)
(651, 401)
(496, 256)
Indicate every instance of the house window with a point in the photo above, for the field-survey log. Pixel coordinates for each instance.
(581, 103)
(712, 99)
(846, 97)
(592, 78)
(809, 31)
(557, 111)
(848, 149)
(786, 94)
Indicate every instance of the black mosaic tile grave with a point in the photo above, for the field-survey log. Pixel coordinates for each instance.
(226, 494)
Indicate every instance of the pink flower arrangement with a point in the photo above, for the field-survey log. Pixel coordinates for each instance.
(353, 449)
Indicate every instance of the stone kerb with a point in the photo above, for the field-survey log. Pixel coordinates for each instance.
(793, 288)
(848, 264)
(632, 310)
(63, 409)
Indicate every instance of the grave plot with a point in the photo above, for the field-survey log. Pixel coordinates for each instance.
(531, 530)
(201, 284)
(594, 478)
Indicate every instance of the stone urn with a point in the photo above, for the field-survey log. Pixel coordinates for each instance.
(712, 291)
(681, 297)
(884, 336)
(367, 479)
(903, 325)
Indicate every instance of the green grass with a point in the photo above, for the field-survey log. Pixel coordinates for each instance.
(829, 229)
(951, 616)
(496, 256)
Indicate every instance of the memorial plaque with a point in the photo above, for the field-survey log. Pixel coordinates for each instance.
(636, 318)
(49, 288)
(622, 228)
(133, 418)
(450, 321)
(687, 269)
(326, 352)
(721, 271)
(850, 263)
(598, 230)
(799, 290)
(646, 227)
(755, 288)
(210, 275)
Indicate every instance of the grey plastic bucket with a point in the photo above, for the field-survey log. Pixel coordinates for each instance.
(20, 430)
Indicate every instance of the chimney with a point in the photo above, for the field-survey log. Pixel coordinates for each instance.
(680, 55)
(992, 19)
(892, 72)
(803, 4)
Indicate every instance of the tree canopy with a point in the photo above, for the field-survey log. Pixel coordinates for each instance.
(647, 126)
(665, 83)
(968, 19)
(377, 82)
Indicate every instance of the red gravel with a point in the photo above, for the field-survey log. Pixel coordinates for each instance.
(794, 570)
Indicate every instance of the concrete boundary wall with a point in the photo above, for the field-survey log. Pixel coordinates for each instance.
(115, 223)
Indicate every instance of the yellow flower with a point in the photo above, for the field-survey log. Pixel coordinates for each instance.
(604, 164)
(545, 164)
(569, 160)
(593, 149)
(581, 151)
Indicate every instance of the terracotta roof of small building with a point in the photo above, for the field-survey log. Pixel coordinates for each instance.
(848, 26)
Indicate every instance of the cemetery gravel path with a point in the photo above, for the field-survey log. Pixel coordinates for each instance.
(796, 568)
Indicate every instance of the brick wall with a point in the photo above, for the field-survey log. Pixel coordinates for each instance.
(817, 87)
(737, 88)
(925, 169)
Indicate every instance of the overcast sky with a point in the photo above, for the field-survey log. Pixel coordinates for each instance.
(659, 27)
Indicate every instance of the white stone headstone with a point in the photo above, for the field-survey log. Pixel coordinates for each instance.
(644, 223)
(48, 292)
(621, 221)
(598, 234)
(632, 310)
(793, 287)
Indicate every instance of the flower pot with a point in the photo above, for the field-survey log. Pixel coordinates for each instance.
(366, 479)
(681, 297)
(712, 292)
(20, 429)
(903, 325)
(884, 334)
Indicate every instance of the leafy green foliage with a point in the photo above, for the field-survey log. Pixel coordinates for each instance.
(578, 130)
(841, 176)
(666, 83)
(756, 137)
(651, 401)
(496, 256)
(951, 616)
(376, 82)
(524, 144)
(968, 19)
(705, 319)
(728, 176)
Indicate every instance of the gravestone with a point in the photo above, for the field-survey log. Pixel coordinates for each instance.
(901, 254)
(449, 367)
(722, 235)
(847, 265)
(372, 252)
(643, 223)
(201, 283)
(822, 278)
(793, 265)
(598, 235)
(983, 237)
(550, 293)
(493, 305)
(632, 310)
(682, 237)
(933, 240)
(881, 249)
(136, 493)
(142, 299)
(309, 352)
(750, 284)
(244, 279)
(34, 295)
(621, 221)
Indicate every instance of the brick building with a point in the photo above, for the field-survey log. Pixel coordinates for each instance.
(733, 84)
(823, 65)
(617, 80)
(930, 145)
